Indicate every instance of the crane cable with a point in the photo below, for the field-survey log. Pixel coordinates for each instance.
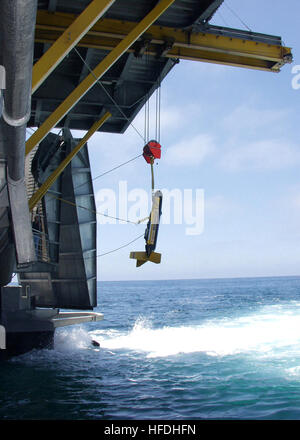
(107, 93)
(91, 210)
(106, 215)
(237, 16)
(121, 247)
(109, 171)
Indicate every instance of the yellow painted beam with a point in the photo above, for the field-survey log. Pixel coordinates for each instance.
(199, 46)
(39, 194)
(97, 73)
(65, 43)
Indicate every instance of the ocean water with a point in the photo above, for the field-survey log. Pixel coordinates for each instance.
(226, 349)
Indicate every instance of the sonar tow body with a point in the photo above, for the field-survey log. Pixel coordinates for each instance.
(151, 234)
(153, 223)
(151, 151)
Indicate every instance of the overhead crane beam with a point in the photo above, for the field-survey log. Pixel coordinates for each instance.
(65, 43)
(214, 44)
(97, 73)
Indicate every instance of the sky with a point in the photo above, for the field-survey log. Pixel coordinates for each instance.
(228, 134)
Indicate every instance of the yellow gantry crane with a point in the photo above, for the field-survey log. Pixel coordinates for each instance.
(91, 29)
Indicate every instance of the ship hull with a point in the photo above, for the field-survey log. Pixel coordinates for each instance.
(18, 343)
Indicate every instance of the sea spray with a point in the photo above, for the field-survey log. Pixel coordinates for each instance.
(261, 333)
(71, 339)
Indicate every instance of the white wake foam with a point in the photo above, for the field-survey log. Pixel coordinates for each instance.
(273, 328)
(69, 339)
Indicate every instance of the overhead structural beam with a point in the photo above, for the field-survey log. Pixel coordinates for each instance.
(39, 194)
(214, 44)
(97, 73)
(65, 43)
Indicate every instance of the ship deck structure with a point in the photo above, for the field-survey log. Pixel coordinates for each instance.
(85, 65)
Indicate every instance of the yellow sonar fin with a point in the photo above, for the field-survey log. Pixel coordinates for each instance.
(155, 257)
(142, 257)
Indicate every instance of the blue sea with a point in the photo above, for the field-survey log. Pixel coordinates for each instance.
(223, 349)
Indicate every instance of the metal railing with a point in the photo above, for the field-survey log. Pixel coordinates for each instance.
(46, 250)
(42, 245)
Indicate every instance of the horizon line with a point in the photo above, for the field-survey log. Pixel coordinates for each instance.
(203, 279)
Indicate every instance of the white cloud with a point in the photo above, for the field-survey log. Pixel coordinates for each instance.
(296, 202)
(173, 119)
(218, 205)
(261, 155)
(248, 145)
(190, 151)
(248, 120)
(289, 201)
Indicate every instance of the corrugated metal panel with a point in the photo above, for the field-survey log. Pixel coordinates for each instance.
(181, 14)
(75, 284)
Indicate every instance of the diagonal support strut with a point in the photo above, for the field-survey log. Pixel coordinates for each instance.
(65, 43)
(39, 194)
